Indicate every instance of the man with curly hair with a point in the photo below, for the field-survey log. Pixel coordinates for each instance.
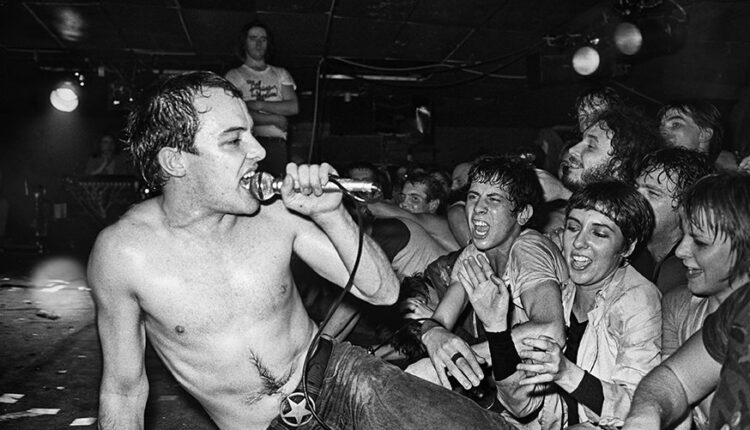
(611, 147)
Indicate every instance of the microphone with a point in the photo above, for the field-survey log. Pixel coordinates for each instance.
(263, 186)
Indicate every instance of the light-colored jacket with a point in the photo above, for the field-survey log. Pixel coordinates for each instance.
(621, 343)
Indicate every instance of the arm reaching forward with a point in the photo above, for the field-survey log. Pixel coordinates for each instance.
(664, 394)
(331, 249)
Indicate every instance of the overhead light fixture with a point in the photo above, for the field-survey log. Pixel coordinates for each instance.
(586, 60)
(64, 98)
(650, 36)
(628, 38)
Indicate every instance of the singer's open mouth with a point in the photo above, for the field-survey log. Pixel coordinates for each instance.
(246, 180)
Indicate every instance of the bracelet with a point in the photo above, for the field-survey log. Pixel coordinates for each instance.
(504, 355)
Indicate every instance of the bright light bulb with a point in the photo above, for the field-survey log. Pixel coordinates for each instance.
(628, 38)
(585, 60)
(64, 99)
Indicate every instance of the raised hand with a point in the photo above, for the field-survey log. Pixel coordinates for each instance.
(488, 294)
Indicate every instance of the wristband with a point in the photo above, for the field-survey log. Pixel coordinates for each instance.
(590, 393)
(504, 355)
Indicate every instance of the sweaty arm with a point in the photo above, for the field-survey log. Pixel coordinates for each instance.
(542, 304)
(534, 269)
(330, 248)
(436, 225)
(683, 379)
(458, 225)
(124, 386)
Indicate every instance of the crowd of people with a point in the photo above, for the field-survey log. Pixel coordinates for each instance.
(608, 291)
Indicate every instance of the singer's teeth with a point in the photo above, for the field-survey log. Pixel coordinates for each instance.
(245, 181)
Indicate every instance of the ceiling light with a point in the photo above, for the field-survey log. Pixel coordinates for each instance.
(628, 38)
(64, 98)
(586, 60)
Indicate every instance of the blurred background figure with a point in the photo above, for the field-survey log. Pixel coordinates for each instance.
(108, 160)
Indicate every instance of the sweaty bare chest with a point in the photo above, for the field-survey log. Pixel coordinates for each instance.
(214, 287)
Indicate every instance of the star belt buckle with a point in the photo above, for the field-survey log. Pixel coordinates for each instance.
(294, 410)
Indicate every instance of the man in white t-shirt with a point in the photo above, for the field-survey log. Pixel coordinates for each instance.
(269, 94)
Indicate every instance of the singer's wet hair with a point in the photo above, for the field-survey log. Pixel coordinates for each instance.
(167, 118)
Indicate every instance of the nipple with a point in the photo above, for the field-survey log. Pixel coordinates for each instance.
(179, 329)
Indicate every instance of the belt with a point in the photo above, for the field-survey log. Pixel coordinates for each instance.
(294, 410)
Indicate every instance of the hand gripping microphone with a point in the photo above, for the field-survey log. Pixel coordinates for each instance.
(263, 186)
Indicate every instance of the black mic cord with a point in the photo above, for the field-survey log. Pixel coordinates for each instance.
(314, 344)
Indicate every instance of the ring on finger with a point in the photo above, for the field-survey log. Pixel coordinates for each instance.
(455, 357)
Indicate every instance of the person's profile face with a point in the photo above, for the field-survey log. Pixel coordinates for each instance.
(679, 129)
(226, 152)
(256, 43)
(707, 256)
(592, 153)
(659, 190)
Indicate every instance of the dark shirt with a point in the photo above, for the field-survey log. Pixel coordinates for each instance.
(391, 234)
(575, 334)
(667, 275)
(726, 336)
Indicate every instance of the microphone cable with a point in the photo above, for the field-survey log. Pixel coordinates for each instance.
(349, 283)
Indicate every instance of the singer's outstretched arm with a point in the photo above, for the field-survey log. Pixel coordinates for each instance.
(329, 245)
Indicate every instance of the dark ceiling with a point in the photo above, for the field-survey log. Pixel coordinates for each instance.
(469, 58)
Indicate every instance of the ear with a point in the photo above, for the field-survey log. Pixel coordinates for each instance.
(433, 205)
(705, 135)
(524, 215)
(630, 250)
(171, 160)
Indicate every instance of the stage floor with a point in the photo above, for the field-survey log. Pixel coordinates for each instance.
(55, 364)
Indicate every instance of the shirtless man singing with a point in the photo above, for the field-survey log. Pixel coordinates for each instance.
(203, 271)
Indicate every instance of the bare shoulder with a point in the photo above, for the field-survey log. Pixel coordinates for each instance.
(431, 218)
(120, 248)
(531, 240)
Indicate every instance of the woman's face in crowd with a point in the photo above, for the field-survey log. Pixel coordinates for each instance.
(593, 247)
(708, 258)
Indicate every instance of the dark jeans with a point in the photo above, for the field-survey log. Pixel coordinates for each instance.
(364, 392)
(276, 155)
